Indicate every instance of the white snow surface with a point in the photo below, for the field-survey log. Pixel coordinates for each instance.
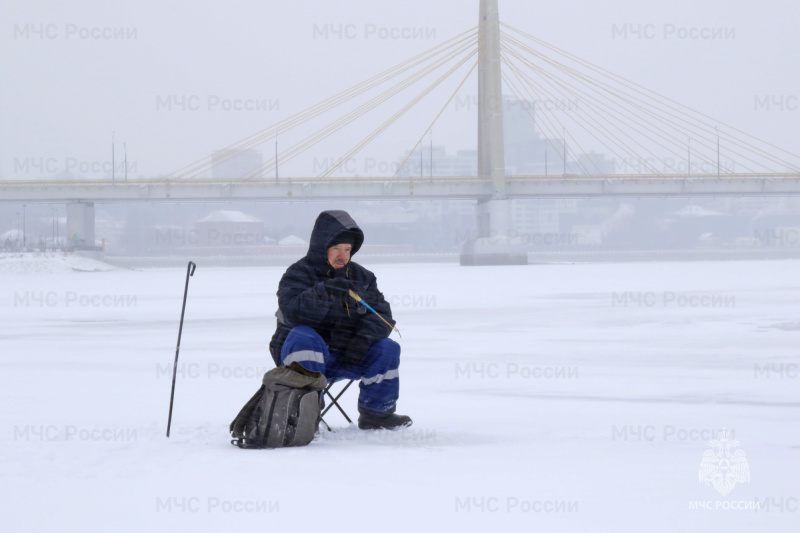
(49, 263)
(541, 401)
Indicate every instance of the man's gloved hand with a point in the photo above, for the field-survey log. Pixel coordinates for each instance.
(356, 351)
(339, 288)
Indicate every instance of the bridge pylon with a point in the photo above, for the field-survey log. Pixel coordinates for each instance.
(492, 245)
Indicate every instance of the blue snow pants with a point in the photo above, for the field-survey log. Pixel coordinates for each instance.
(380, 381)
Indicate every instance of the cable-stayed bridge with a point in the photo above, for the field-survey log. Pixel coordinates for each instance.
(627, 120)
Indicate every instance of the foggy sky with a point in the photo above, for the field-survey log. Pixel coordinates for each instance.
(63, 92)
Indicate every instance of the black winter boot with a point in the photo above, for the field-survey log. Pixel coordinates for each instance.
(368, 419)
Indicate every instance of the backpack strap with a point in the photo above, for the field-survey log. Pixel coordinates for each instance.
(245, 414)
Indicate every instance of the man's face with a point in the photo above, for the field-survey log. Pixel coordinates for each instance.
(339, 255)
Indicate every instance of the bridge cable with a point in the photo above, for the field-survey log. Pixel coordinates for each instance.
(366, 107)
(664, 135)
(397, 115)
(667, 102)
(590, 119)
(314, 111)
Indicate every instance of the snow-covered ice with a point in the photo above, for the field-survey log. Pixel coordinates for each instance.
(49, 263)
(575, 397)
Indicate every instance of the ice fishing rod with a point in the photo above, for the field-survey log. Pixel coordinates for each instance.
(357, 298)
(189, 272)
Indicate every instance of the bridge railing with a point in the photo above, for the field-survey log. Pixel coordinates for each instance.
(82, 182)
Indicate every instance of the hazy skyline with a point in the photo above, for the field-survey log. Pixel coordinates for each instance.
(167, 78)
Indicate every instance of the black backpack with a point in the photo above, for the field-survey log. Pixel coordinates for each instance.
(285, 411)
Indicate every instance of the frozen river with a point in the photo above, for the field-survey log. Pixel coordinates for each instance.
(575, 397)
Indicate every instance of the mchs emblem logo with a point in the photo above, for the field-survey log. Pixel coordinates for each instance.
(723, 467)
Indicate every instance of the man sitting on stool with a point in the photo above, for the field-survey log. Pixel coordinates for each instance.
(322, 328)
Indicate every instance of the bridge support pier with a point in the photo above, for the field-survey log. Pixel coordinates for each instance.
(80, 226)
(493, 246)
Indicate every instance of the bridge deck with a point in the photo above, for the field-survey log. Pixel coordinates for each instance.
(408, 188)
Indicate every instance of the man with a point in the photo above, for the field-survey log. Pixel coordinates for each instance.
(322, 328)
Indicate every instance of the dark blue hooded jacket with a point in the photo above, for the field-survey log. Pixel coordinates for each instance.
(303, 300)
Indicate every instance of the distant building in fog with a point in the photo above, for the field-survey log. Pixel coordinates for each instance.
(230, 228)
(527, 153)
